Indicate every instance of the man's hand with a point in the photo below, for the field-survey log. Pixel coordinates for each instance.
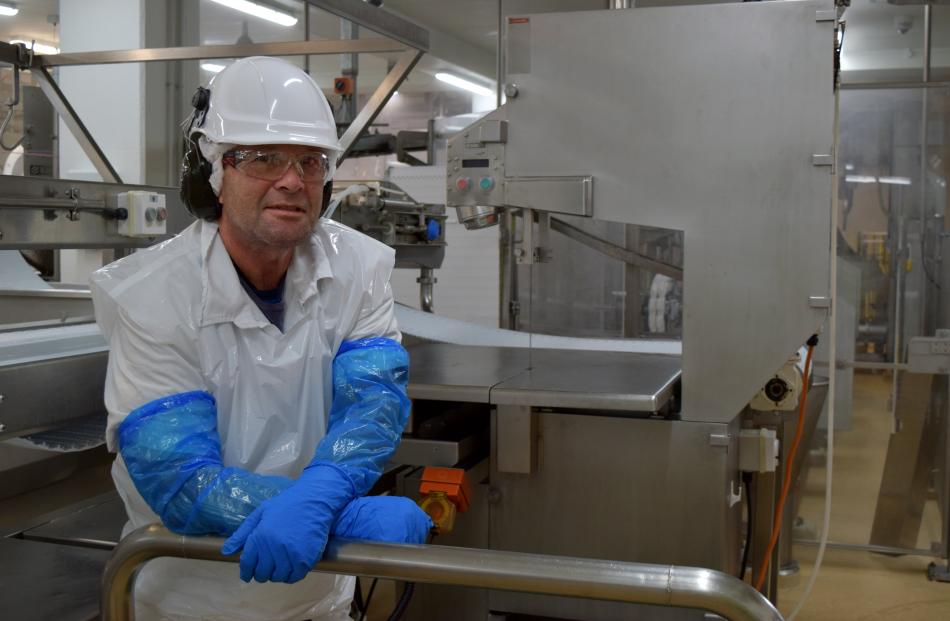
(383, 518)
(285, 537)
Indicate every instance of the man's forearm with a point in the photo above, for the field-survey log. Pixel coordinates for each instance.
(172, 452)
(369, 411)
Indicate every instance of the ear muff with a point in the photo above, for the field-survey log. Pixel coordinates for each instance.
(196, 191)
(327, 193)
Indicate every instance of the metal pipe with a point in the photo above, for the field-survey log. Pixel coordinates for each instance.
(892, 85)
(869, 547)
(928, 27)
(426, 282)
(499, 55)
(661, 585)
(925, 318)
(208, 52)
(398, 203)
(898, 306)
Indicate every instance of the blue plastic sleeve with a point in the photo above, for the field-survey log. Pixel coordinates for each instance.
(172, 452)
(369, 411)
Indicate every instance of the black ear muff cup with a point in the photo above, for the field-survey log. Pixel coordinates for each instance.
(327, 193)
(196, 190)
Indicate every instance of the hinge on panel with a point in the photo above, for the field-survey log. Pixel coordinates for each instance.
(823, 159)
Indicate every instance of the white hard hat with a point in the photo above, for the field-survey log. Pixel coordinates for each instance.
(261, 100)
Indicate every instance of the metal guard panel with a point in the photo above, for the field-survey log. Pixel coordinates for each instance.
(570, 195)
(703, 119)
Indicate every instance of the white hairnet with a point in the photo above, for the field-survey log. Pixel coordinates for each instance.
(213, 152)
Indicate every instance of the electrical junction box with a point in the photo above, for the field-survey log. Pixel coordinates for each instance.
(782, 390)
(147, 214)
(758, 450)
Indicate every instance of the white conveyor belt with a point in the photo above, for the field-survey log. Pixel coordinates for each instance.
(433, 327)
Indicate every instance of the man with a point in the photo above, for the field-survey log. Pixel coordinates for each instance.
(256, 386)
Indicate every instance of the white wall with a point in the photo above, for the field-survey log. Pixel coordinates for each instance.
(109, 99)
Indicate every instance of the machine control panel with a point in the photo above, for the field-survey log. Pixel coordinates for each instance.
(147, 214)
(475, 170)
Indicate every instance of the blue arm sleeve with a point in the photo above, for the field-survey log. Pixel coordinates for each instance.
(369, 411)
(173, 454)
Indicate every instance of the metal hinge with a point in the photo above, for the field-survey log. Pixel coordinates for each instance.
(823, 159)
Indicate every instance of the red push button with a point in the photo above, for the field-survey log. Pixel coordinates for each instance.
(463, 183)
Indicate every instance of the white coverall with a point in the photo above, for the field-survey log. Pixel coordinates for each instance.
(177, 319)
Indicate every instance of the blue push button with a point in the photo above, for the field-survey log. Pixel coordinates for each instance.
(433, 230)
(486, 183)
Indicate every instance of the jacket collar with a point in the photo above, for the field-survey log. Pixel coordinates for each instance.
(223, 298)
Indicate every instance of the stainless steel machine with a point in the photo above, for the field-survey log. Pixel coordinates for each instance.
(636, 457)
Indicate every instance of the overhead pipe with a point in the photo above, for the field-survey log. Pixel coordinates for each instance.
(659, 585)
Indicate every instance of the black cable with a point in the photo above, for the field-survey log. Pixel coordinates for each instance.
(369, 598)
(358, 597)
(747, 482)
(403, 602)
(406, 596)
(404, 599)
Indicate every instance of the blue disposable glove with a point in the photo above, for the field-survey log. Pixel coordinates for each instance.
(285, 537)
(394, 519)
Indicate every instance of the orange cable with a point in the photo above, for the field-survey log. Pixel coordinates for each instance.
(787, 479)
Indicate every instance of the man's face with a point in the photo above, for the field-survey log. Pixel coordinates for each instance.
(276, 214)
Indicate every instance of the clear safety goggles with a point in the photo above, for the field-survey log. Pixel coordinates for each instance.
(313, 166)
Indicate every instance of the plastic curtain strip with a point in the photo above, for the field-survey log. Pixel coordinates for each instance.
(832, 357)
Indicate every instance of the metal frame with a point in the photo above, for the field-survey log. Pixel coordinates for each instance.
(203, 52)
(401, 34)
(66, 112)
(661, 585)
(378, 99)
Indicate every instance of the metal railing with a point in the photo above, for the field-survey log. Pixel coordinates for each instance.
(660, 585)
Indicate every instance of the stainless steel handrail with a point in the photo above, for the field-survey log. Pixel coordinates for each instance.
(662, 585)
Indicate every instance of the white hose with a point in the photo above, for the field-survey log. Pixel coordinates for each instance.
(338, 198)
(832, 372)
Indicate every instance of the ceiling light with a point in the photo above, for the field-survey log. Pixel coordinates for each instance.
(212, 67)
(39, 48)
(458, 82)
(873, 179)
(260, 10)
(894, 180)
(8, 10)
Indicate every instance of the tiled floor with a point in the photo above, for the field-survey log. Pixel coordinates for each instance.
(862, 585)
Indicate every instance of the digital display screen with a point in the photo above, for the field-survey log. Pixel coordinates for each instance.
(474, 163)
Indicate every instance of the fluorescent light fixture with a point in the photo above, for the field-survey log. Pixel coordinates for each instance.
(212, 67)
(39, 48)
(8, 10)
(872, 179)
(259, 10)
(458, 82)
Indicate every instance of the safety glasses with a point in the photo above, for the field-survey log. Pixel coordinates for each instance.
(312, 166)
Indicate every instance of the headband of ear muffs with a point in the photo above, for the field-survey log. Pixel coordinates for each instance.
(196, 191)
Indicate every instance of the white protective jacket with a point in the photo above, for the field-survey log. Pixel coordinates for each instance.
(177, 319)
